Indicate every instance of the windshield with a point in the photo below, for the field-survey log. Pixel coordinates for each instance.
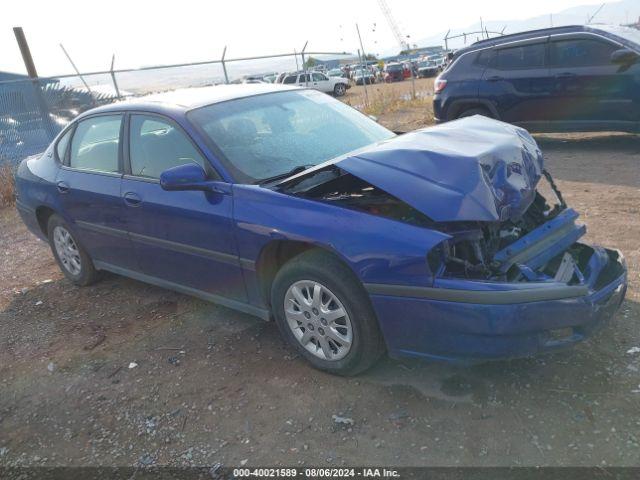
(267, 135)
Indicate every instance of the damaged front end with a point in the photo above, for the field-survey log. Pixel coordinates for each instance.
(477, 181)
(510, 278)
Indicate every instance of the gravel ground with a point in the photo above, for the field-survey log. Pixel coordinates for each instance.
(122, 373)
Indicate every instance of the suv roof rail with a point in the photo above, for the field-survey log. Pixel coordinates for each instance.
(518, 35)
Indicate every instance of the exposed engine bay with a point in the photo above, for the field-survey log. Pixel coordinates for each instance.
(476, 249)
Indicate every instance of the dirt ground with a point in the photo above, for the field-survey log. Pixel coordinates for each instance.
(211, 385)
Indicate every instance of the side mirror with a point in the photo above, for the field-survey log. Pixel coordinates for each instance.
(189, 176)
(624, 56)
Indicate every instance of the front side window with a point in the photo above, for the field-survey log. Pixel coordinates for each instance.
(318, 77)
(157, 145)
(581, 52)
(96, 144)
(525, 56)
(290, 79)
(268, 135)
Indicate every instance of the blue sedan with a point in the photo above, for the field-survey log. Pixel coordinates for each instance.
(287, 204)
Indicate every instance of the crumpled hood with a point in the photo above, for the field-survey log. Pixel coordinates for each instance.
(473, 169)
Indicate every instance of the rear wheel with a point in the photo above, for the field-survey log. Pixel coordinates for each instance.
(475, 111)
(340, 89)
(72, 258)
(323, 311)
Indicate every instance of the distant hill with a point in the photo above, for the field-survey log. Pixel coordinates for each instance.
(622, 12)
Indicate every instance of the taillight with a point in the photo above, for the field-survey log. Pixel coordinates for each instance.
(439, 84)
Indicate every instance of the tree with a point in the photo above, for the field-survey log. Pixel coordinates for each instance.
(310, 63)
(370, 56)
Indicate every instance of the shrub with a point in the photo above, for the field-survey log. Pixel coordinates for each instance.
(7, 185)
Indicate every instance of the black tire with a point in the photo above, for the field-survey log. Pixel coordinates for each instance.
(340, 89)
(316, 265)
(87, 273)
(475, 111)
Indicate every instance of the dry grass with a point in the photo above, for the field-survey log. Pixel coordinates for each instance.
(7, 186)
(388, 101)
(394, 105)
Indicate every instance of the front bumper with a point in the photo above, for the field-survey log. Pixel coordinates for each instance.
(418, 326)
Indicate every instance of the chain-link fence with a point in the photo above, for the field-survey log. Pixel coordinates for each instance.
(33, 111)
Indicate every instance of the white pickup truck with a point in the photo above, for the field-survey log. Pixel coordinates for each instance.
(319, 81)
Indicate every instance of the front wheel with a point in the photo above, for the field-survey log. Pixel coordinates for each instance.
(323, 311)
(340, 89)
(72, 258)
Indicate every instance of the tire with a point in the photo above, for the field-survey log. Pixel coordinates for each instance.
(475, 111)
(316, 267)
(73, 260)
(340, 89)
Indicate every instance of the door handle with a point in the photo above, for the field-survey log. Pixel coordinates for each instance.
(63, 187)
(132, 199)
(565, 75)
(495, 78)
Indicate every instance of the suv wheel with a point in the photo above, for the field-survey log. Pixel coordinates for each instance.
(340, 89)
(323, 311)
(72, 258)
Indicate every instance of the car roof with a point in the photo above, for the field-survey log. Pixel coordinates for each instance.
(512, 37)
(189, 98)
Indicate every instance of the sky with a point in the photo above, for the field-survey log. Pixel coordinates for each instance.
(143, 33)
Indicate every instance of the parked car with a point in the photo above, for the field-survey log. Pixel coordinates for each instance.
(393, 72)
(363, 76)
(318, 81)
(427, 69)
(577, 78)
(285, 203)
(336, 72)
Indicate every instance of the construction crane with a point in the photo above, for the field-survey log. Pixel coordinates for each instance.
(386, 11)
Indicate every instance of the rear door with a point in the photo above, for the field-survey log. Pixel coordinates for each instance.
(180, 237)
(588, 87)
(517, 81)
(89, 188)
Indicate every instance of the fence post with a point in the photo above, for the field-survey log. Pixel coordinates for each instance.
(224, 66)
(113, 77)
(33, 74)
(363, 62)
(304, 66)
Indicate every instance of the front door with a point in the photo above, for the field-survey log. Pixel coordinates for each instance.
(321, 82)
(588, 87)
(88, 189)
(180, 237)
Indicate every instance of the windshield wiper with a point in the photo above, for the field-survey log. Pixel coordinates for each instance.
(293, 171)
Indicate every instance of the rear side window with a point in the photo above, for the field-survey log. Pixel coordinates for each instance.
(484, 57)
(157, 145)
(290, 79)
(96, 144)
(581, 53)
(61, 147)
(524, 56)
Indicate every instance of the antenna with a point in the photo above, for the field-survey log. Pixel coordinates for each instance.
(596, 13)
